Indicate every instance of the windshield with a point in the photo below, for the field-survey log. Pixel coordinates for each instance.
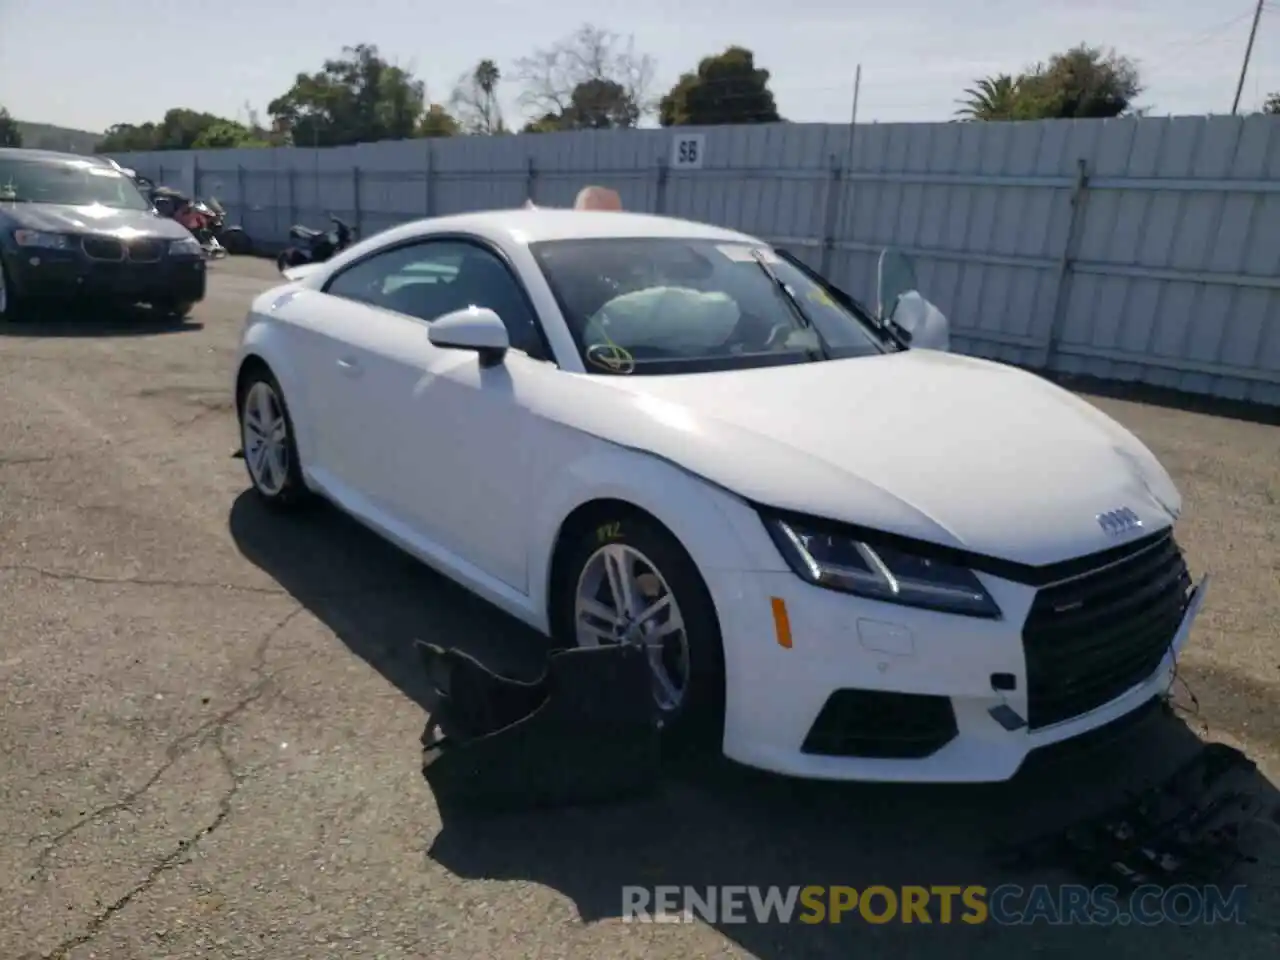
(673, 305)
(76, 183)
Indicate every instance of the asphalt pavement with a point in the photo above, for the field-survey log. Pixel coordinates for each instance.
(210, 715)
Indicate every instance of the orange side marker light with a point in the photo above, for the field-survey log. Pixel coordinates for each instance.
(781, 622)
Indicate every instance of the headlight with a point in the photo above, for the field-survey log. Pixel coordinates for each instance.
(38, 238)
(879, 572)
(190, 247)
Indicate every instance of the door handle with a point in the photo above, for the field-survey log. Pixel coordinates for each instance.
(349, 366)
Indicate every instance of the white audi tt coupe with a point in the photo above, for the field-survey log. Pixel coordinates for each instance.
(849, 553)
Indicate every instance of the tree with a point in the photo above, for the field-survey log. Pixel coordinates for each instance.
(589, 80)
(269, 135)
(600, 105)
(726, 88)
(129, 138)
(547, 123)
(438, 122)
(1272, 103)
(10, 135)
(225, 134)
(357, 98)
(181, 129)
(475, 99)
(1084, 82)
(993, 98)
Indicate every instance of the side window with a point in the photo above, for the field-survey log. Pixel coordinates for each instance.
(428, 280)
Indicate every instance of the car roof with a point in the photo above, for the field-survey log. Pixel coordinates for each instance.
(535, 225)
(53, 156)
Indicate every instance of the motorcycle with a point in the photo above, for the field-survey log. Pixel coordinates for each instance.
(233, 240)
(205, 223)
(203, 220)
(316, 246)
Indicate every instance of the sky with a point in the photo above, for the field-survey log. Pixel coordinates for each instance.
(92, 63)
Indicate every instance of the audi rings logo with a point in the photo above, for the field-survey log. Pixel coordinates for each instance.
(1115, 523)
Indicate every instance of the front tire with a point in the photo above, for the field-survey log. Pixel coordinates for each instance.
(236, 241)
(292, 257)
(10, 308)
(174, 309)
(267, 438)
(625, 579)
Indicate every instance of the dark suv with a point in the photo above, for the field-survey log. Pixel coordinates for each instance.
(77, 227)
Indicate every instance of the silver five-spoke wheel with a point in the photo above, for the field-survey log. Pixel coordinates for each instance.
(622, 597)
(266, 439)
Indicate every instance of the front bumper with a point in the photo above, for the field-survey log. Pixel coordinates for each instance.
(60, 274)
(781, 702)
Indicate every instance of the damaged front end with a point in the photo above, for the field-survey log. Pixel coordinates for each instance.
(1188, 828)
(586, 731)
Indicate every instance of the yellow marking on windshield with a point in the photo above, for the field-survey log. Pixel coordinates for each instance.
(611, 357)
(608, 355)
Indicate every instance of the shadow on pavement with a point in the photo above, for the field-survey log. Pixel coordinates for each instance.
(60, 320)
(731, 826)
(377, 599)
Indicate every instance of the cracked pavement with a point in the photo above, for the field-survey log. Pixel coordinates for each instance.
(210, 715)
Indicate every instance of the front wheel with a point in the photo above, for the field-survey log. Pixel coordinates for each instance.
(292, 257)
(626, 579)
(266, 433)
(9, 306)
(236, 241)
(173, 309)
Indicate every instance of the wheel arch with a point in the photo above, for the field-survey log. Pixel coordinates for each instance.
(577, 523)
(265, 345)
(251, 363)
(695, 514)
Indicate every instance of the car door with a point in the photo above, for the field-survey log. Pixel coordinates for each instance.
(339, 333)
(443, 441)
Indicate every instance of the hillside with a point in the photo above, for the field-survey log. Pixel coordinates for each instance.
(45, 136)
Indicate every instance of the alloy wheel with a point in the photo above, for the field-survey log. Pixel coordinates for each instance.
(266, 439)
(622, 597)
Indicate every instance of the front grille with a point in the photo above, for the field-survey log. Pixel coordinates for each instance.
(1092, 638)
(146, 251)
(880, 725)
(102, 248)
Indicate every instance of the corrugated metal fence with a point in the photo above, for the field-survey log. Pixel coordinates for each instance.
(1143, 250)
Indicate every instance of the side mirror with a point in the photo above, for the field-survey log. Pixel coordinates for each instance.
(926, 327)
(473, 328)
(895, 275)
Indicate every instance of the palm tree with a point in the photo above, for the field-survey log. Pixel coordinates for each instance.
(475, 99)
(991, 98)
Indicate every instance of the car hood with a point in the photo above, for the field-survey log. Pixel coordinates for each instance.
(948, 449)
(94, 218)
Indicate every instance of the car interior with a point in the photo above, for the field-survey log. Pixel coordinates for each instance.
(428, 291)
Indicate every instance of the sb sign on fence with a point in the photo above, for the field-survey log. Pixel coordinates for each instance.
(687, 151)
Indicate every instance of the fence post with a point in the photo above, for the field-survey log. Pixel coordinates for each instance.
(1062, 290)
(831, 202)
(196, 191)
(355, 200)
(660, 193)
(530, 179)
(242, 198)
(427, 182)
(291, 180)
